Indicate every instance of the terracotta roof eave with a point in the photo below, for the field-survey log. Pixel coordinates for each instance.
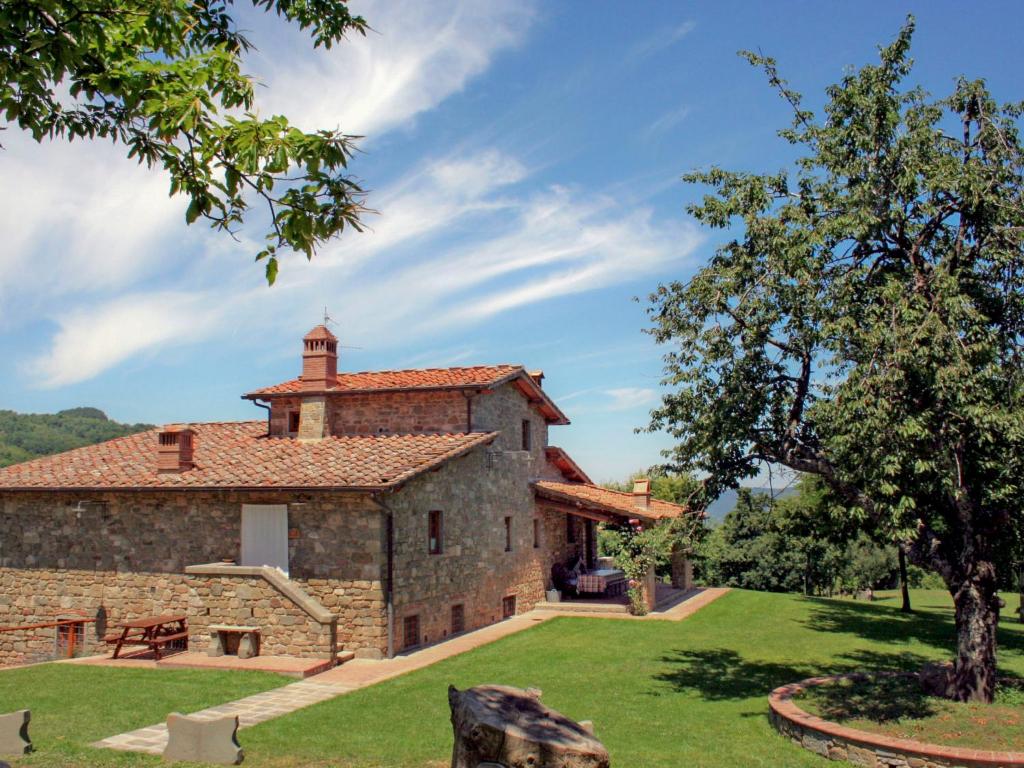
(576, 501)
(191, 488)
(368, 390)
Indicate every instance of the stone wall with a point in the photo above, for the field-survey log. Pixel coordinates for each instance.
(286, 629)
(127, 552)
(475, 493)
(503, 409)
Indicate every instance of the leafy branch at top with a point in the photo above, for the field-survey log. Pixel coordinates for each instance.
(163, 78)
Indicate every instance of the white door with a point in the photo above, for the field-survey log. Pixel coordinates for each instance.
(265, 535)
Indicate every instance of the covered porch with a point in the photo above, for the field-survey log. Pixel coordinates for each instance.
(591, 583)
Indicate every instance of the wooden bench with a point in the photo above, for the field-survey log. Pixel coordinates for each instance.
(223, 641)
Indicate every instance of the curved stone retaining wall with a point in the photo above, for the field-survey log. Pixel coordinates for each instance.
(872, 750)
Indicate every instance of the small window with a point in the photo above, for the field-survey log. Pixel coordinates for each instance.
(508, 534)
(411, 631)
(536, 533)
(458, 619)
(508, 607)
(570, 529)
(293, 421)
(434, 533)
(527, 442)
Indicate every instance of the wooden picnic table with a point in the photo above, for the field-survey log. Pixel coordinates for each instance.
(152, 631)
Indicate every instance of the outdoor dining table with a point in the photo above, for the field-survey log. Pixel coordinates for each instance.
(610, 581)
(152, 631)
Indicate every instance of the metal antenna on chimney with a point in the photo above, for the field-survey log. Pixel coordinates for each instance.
(328, 322)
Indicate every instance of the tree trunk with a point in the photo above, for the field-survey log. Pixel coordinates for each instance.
(977, 616)
(904, 587)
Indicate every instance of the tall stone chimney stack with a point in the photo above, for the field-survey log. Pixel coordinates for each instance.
(319, 360)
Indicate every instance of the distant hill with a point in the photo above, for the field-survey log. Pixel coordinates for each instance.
(727, 501)
(26, 436)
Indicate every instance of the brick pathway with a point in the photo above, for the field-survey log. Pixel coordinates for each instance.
(361, 673)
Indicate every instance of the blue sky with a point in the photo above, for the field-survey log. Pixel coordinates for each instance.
(525, 161)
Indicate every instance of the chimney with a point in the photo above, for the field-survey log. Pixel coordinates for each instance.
(642, 492)
(537, 376)
(319, 360)
(174, 449)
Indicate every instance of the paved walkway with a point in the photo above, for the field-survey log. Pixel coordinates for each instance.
(250, 710)
(362, 673)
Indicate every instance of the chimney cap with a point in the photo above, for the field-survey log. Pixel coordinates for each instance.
(537, 376)
(321, 332)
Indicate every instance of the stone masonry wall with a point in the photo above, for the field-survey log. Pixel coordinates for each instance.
(285, 629)
(126, 552)
(475, 494)
(504, 410)
(423, 412)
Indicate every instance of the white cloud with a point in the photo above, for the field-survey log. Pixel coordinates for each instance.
(77, 217)
(626, 398)
(417, 55)
(669, 120)
(660, 40)
(92, 340)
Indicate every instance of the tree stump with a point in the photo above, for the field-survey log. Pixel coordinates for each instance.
(496, 725)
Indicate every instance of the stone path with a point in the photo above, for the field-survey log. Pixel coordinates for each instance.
(361, 673)
(250, 710)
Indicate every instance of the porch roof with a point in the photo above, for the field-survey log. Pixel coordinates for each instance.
(587, 496)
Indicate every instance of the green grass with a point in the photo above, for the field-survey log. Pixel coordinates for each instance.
(660, 693)
(75, 705)
(897, 706)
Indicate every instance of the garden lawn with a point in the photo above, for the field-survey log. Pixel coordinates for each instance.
(74, 705)
(660, 693)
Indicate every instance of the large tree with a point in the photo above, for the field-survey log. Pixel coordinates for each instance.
(164, 78)
(864, 324)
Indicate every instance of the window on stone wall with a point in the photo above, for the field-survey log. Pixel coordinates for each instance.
(293, 421)
(458, 619)
(508, 534)
(434, 532)
(527, 442)
(411, 631)
(508, 607)
(536, 533)
(570, 529)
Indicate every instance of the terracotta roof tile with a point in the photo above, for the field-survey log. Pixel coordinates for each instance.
(606, 500)
(421, 378)
(240, 455)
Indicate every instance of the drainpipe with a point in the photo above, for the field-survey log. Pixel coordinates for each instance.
(389, 593)
(258, 404)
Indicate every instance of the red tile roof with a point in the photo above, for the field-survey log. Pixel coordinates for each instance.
(422, 378)
(595, 497)
(240, 455)
(563, 463)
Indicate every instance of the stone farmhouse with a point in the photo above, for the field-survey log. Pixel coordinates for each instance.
(370, 512)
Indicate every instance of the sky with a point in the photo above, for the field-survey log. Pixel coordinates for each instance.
(524, 160)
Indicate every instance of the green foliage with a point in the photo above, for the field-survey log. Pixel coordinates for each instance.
(27, 436)
(164, 78)
(797, 544)
(677, 488)
(866, 324)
